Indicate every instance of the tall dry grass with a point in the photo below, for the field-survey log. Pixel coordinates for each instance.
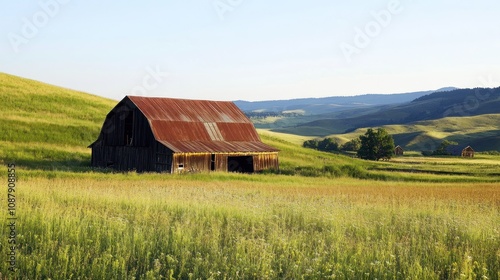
(254, 227)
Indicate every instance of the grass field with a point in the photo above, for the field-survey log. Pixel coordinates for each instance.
(324, 216)
(233, 226)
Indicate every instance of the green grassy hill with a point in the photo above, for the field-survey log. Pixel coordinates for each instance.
(48, 126)
(481, 132)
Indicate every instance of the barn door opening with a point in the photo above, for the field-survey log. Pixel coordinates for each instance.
(243, 164)
(212, 162)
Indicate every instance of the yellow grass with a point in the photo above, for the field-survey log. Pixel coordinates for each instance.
(123, 226)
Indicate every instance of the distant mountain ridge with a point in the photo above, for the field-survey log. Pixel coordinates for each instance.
(314, 106)
(437, 105)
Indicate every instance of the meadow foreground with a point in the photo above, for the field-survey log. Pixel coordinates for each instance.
(233, 226)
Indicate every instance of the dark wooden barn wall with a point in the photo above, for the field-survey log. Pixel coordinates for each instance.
(163, 158)
(127, 158)
(113, 132)
(123, 158)
(141, 153)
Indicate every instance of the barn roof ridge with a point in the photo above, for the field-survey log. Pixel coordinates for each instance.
(174, 98)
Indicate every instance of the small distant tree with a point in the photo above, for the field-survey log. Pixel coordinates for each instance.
(376, 145)
(352, 145)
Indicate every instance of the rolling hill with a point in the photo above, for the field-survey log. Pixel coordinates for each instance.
(456, 103)
(481, 132)
(47, 125)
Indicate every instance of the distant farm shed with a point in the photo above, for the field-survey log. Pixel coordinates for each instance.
(178, 135)
(468, 152)
(398, 151)
(456, 150)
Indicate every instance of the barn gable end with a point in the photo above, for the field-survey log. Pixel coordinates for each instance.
(178, 135)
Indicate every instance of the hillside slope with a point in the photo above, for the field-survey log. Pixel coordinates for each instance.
(45, 124)
(481, 132)
(456, 103)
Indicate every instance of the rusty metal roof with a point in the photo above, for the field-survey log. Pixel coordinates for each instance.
(217, 146)
(186, 110)
(195, 126)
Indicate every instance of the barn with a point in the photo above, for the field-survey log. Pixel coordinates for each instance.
(468, 152)
(457, 150)
(153, 134)
(398, 151)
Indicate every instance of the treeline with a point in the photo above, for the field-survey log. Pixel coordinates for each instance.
(331, 145)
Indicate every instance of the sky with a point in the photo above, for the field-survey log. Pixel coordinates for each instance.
(251, 49)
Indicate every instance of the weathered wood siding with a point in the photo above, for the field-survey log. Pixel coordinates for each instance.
(220, 162)
(264, 161)
(191, 162)
(202, 162)
(261, 161)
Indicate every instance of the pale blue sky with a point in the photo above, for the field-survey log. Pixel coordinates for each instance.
(251, 49)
